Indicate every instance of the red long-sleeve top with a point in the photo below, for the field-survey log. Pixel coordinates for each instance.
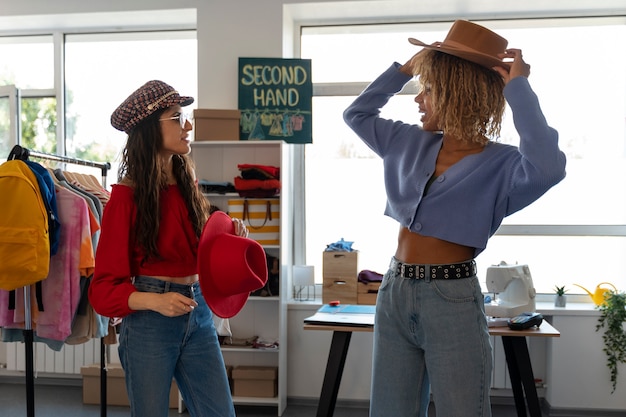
(118, 257)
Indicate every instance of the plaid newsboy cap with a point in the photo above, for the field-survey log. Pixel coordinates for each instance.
(147, 99)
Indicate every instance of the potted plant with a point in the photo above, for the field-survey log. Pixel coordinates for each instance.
(560, 299)
(612, 319)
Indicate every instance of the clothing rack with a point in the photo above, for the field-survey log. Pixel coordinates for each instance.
(21, 153)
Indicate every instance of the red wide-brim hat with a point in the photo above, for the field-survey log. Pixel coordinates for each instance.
(230, 266)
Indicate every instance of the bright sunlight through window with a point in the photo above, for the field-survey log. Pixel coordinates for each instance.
(570, 235)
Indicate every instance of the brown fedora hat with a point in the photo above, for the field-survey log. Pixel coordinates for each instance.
(472, 42)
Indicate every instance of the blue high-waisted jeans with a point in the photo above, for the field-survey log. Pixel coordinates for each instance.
(154, 349)
(430, 335)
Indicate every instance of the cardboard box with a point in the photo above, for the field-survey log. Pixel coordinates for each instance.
(116, 386)
(214, 125)
(339, 274)
(255, 381)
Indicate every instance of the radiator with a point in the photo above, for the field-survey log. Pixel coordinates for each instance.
(537, 349)
(68, 360)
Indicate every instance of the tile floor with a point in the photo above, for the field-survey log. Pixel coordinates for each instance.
(66, 401)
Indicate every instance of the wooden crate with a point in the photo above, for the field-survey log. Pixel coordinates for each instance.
(339, 272)
(367, 292)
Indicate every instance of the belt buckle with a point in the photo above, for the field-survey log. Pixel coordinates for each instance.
(402, 270)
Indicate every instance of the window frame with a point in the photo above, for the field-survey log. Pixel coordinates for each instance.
(140, 21)
(330, 89)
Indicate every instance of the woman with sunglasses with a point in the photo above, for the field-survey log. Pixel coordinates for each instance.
(146, 262)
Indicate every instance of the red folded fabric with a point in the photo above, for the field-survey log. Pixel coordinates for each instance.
(243, 184)
(260, 171)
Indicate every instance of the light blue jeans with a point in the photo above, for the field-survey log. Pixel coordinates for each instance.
(154, 349)
(430, 335)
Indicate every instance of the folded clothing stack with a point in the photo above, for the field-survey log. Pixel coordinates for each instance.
(216, 187)
(258, 180)
(366, 276)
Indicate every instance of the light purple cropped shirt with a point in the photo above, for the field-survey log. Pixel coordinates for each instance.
(465, 204)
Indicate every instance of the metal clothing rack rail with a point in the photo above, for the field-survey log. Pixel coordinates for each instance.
(104, 166)
(19, 152)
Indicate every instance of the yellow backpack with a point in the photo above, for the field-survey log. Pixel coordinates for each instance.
(24, 233)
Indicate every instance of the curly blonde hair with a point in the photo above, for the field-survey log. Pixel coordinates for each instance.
(468, 98)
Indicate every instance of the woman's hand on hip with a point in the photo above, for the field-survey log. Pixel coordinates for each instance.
(173, 304)
(169, 304)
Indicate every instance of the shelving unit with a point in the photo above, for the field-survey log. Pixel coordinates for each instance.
(265, 317)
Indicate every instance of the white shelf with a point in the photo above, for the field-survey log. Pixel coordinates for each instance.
(235, 195)
(265, 317)
(256, 400)
(272, 298)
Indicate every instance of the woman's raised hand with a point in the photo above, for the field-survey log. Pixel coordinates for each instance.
(517, 67)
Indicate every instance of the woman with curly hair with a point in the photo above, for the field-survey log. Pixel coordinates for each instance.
(449, 184)
(146, 262)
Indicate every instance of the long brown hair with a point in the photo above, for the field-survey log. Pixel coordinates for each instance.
(468, 98)
(141, 165)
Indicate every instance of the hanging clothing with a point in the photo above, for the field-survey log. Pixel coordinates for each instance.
(61, 290)
(67, 316)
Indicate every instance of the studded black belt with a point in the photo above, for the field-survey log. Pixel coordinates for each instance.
(445, 271)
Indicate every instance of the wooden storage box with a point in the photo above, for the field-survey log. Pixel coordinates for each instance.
(216, 125)
(367, 292)
(339, 273)
(255, 381)
(116, 386)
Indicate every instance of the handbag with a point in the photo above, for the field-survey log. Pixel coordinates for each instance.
(261, 217)
(272, 286)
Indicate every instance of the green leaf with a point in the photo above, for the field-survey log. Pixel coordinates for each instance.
(612, 319)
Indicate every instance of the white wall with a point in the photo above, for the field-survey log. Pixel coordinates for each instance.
(229, 29)
(577, 373)
(308, 354)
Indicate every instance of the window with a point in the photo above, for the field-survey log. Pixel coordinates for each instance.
(570, 235)
(100, 71)
(103, 69)
(23, 58)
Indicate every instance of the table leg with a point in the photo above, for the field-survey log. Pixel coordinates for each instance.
(334, 371)
(521, 373)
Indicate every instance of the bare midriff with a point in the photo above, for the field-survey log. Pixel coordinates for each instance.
(414, 248)
(188, 280)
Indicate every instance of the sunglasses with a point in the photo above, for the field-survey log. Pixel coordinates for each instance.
(182, 118)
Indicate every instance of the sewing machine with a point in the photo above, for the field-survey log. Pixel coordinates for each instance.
(513, 290)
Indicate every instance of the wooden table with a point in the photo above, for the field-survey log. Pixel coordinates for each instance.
(520, 368)
(515, 350)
